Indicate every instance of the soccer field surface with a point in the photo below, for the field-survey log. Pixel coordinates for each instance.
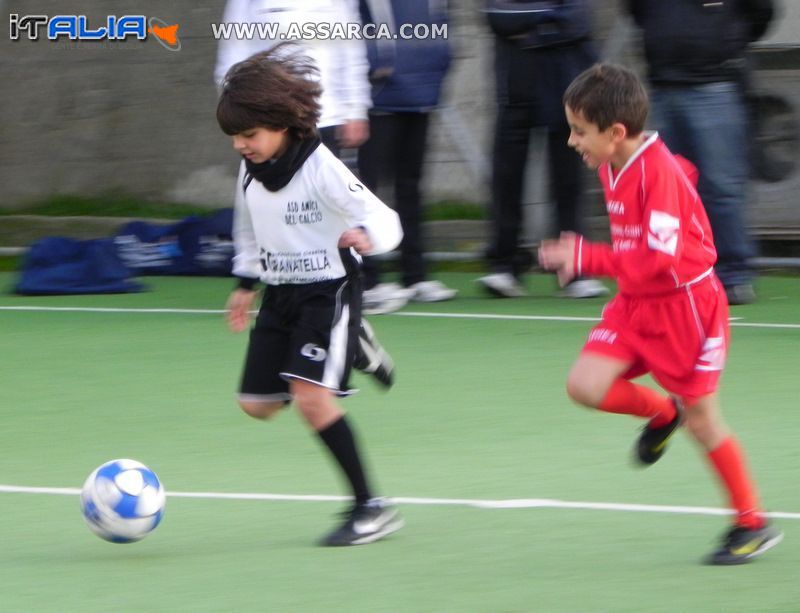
(514, 499)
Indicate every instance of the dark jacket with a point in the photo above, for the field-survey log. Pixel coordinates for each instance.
(540, 47)
(406, 75)
(540, 23)
(696, 41)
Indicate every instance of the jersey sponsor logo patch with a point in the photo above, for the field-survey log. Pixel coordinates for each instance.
(615, 207)
(713, 355)
(662, 235)
(313, 352)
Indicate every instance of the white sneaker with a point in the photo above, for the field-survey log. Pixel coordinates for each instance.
(502, 285)
(584, 288)
(431, 291)
(385, 298)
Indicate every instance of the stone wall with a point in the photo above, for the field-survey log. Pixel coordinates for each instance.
(134, 118)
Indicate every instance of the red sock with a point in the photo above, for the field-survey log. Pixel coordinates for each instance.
(728, 460)
(631, 399)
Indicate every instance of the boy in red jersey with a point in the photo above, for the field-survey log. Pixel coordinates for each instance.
(670, 317)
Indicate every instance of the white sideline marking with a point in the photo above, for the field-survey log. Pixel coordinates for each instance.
(734, 321)
(514, 503)
(494, 316)
(112, 310)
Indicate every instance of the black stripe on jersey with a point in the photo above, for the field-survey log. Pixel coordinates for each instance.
(351, 265)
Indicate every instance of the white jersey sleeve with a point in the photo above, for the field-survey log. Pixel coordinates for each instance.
(245, 260)
(359, 206)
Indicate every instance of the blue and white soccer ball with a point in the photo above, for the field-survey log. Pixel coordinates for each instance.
(122, 501)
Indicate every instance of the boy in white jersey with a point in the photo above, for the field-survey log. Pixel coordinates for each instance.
(301, 222)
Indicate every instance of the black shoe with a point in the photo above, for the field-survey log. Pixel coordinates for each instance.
(652, 442)
(365, 523)
(371, 358)
(740, 545)
(740, 294)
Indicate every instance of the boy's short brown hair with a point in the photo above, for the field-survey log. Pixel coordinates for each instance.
(606, 94)
(273, 89)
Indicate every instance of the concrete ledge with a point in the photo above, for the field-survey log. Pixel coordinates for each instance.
(444, 240)
(18, 230)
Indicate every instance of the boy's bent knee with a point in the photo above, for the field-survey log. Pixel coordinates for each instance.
(584, 391)
(592, 376)
(315, 403)
(261, 409)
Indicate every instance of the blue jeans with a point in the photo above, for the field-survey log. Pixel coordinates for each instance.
(708, 125)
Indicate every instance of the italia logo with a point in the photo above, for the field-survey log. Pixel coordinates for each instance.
(79, 28)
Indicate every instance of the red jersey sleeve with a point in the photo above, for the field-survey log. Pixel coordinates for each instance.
(660, 242)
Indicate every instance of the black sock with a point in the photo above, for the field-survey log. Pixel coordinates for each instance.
(341, 442)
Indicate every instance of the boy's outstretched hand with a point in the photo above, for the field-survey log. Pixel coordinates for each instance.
(356, 238)
(559, 255)
(238, 309)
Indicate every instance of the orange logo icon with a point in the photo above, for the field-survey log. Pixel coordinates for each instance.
(166, 35)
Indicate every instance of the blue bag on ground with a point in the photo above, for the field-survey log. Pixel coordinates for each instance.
(193, 246)
(58, 265)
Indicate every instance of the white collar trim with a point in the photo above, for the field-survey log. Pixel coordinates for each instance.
(651, 138)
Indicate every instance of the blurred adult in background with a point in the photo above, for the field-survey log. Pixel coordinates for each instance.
(406, 77)
(540, 47)
(342, 64)
(697, 69)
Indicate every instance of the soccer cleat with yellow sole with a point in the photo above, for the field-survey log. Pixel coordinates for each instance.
(740, 545)
(652, 442)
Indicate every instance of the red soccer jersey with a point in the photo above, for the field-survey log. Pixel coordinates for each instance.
(660, 235)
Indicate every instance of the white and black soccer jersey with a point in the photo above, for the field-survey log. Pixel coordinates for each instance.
(290, 236)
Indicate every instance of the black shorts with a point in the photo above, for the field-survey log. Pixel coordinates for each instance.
(306, 332)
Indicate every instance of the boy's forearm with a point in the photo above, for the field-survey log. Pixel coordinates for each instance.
(383, 229)
(637, 265)
(594, 259)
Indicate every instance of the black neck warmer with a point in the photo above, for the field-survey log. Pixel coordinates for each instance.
(276, 174)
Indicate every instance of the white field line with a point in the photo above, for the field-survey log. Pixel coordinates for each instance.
(734, 321)
(112, 310)
(514, 503)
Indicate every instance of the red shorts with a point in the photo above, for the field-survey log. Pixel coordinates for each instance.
(680, 338)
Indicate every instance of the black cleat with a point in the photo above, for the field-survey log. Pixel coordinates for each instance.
(365, 523)
(371, 358)
(740, 545)
(652, 442)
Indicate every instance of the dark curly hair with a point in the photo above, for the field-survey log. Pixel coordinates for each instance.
(273, 89)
